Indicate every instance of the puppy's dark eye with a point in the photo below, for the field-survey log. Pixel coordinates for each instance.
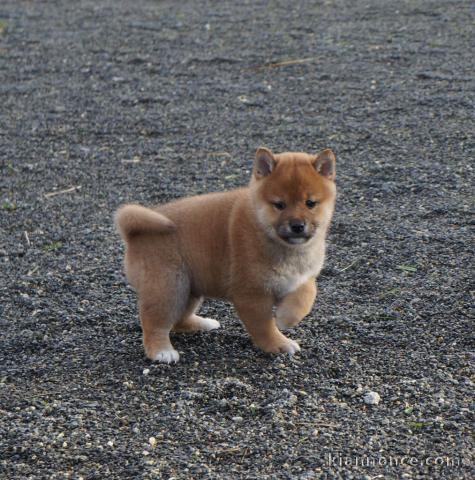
(279, 205)
(310, 203)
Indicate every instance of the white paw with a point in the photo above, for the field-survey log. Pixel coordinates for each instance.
(170, 355)
(281, 345)
(207, 324)
(290, 347)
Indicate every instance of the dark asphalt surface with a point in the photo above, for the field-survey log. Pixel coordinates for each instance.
(147, 101)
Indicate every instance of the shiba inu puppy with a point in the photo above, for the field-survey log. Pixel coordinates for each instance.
(261, 247)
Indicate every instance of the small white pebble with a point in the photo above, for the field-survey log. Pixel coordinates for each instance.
(110, 443)
(372, 398)
(146, 371)
(152, 441)
(237, 419)
(145, 453)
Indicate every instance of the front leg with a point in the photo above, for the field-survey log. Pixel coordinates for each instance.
(255, 311)
(296, 305)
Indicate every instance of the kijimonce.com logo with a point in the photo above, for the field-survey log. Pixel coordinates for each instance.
(391, 461)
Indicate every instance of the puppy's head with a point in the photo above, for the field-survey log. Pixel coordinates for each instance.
(294, 194)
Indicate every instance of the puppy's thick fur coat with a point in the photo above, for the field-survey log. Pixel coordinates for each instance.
(260, 247)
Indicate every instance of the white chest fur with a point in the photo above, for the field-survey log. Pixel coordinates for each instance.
(294, 270)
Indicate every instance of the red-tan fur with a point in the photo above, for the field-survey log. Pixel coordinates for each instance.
(227, 245)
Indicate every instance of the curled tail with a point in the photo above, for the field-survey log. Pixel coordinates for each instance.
(132, 220)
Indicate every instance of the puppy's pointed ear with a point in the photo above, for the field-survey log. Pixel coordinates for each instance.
(264, 163)
(325, 164)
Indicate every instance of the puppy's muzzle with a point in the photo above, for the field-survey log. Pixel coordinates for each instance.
(295, 231)
(297, 226)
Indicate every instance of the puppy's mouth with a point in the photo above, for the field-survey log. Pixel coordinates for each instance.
(295, 239)
(295, 234)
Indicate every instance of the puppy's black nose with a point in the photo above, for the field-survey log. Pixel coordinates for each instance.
(296, 225)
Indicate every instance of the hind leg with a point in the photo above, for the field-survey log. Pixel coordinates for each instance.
(161, 307)
(190, 322)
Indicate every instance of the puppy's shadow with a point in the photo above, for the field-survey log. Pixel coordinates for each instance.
(224, 352)
(228, 344)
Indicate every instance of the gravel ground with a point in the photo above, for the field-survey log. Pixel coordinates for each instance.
(119, 100)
